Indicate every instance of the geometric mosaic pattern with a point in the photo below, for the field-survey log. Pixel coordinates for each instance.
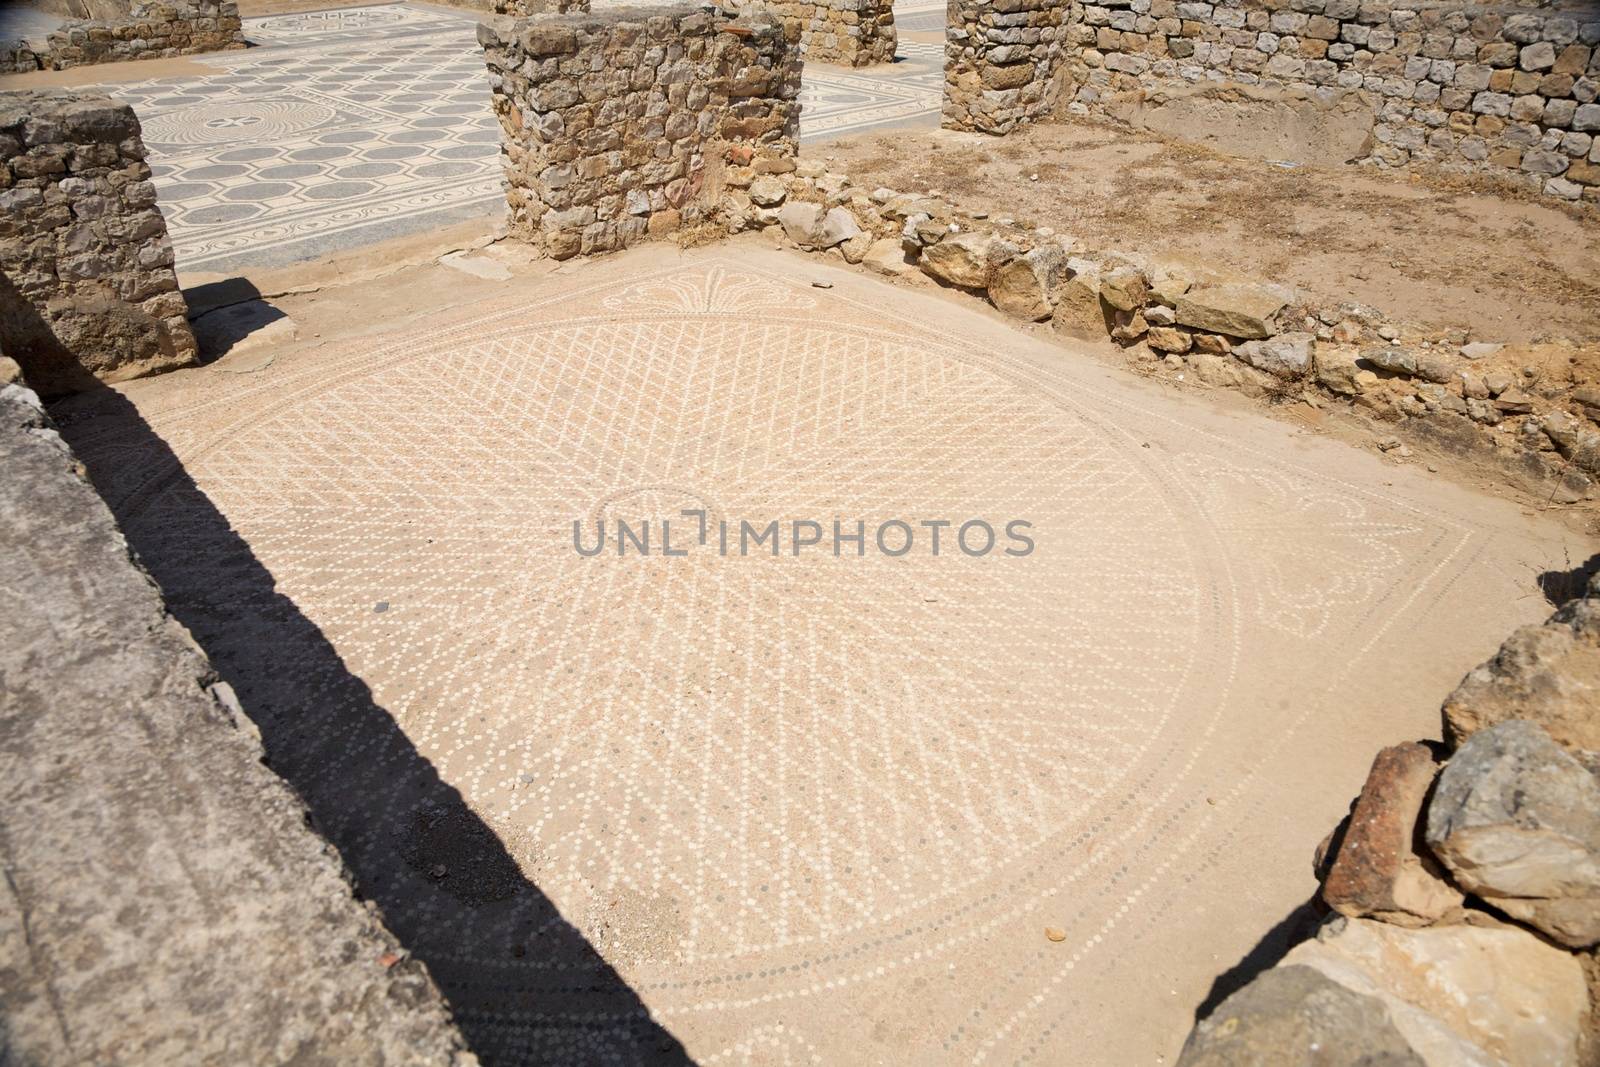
(345, 128)
(908, 93)
(779, 810)
(350, 126)
(920, 16)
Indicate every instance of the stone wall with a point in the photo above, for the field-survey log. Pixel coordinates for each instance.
(1461, 896)
(1001, 60)
(1509, 90)
(164, 899)
(1530, 412)
(527, 8)
(631, 124)
(854, 33)
(87, 286)
(139, 29)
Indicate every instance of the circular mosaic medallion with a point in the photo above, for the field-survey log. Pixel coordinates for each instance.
(207, 124)
(733, 772)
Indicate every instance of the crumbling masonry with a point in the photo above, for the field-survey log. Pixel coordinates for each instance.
(1510, 90)
(87, 286)
(133, 29)
(1000, 62)
(853, 33)
(635, 122)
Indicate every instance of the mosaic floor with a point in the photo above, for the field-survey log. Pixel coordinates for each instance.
(350, 126)
(815, 808)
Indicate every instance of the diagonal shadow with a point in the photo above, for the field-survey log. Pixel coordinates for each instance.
(523, 983)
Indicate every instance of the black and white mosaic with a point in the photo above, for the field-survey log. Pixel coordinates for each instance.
(351, 126)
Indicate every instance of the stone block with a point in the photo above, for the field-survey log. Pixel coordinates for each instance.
(1548, 674)
(86, 320)
(1236, 309)
(1517, 821)
(1378, 871)
(1459, 994)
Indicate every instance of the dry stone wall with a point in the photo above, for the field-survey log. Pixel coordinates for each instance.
(1530, 411)
(635, 123)
(854, 33)
(1001, 60)
(1510, 90)
(140, 29)
(527, 8)
(87, 286)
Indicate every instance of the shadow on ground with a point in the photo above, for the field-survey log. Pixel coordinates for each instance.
(524, 984)
(1559, 587)
(1299, 925)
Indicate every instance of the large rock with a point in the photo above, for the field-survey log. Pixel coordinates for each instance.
(1286, 356)
(1125, 288)
(837, 227)
(802, 222)
(1298, 1017)
(1549, 674)
(1517, 821)
(1079, 311)
(1026, 286)
(888, 257)
(1460, 994)
(967, 260)
(1237, 309)
(1378, 871)
(768, 191)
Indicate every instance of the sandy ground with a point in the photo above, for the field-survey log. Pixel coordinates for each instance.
(1422, 249)
(795, 807)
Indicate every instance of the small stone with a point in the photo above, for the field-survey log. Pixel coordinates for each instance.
(767, 191)
(1480, 350)
(1393, 360)
(1079, 312)
(1514, 402)
(1168, 338)
(1339, 373)
(1128, 326)
(1055, 933)
(854, 249)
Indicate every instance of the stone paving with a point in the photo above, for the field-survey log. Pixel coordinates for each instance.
(814, 808)
(349, 126)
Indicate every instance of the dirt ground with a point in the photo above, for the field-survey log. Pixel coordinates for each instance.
(1431, 250)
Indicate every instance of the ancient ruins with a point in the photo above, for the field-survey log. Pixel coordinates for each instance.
(572, 531)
